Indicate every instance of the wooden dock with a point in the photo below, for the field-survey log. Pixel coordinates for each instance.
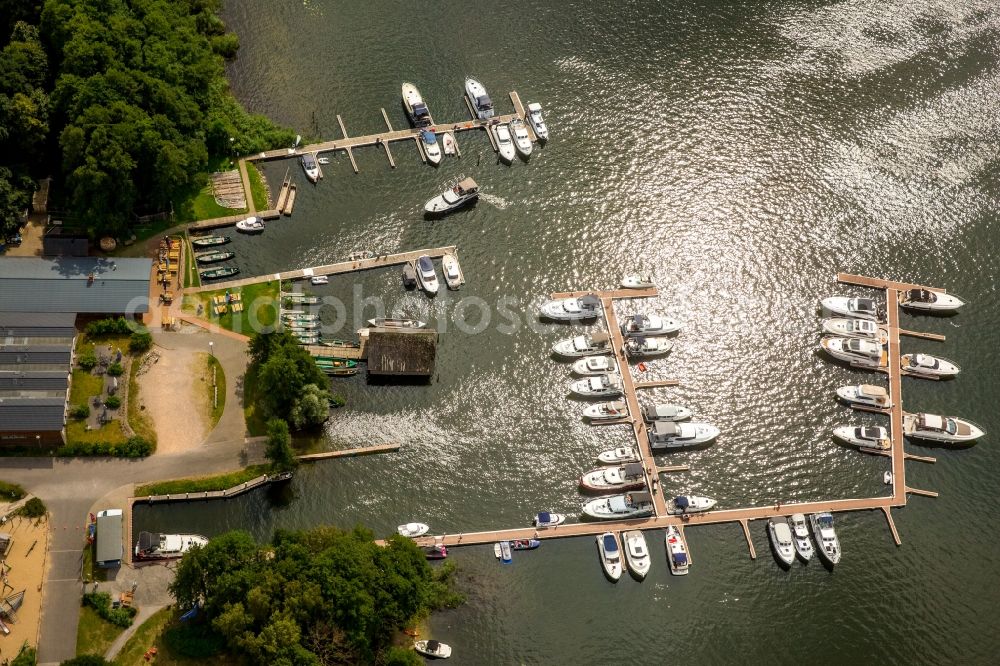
(215, 494)
(349, 453)
(338, 351)
(348, 266)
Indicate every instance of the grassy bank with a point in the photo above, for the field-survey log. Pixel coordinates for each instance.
(164, 631)
(209, 365)
(93, 634)
(257, 187)
(191, 278)
(138, 418)
(198, 202)
(252, 414)
(200, 484)
(260, 307)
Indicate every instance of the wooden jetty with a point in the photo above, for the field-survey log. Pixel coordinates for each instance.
(340, 351)
(290, 203)
(348, 266)
(349, 453)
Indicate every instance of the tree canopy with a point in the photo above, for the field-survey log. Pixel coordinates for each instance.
(289, 382)
(318, 597)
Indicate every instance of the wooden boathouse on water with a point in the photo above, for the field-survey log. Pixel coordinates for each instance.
(401, 352)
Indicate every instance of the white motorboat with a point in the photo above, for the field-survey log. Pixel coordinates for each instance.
(640, 325)
(448, 143)
(583, 345)
(677, 554)
(413, 530)
(503, 552)
(636, 553)
(856, 351)
(647, 347)
(433, 649)
(689, 504)
(481, 102)
(846, 327)
(606, 411)
(548, 519)
(427, 275)
(865, 437)
(415, 107)
(323, 160)
(537, 121)
(587, 306)
(637, 282)
(800, 535)
(310, 166)
(155, 546)
(521, 139)
(781, 540)
(944, 429)
(636, 504)
(465, 192)
(432, 148)
(505, 144)
(826, 537)
(611, 555)
(595, 365)
(630, 476)
(251, 225)
(865, 395)
(598, 386)
(927, 300)
(386, 322)
(319, 279)
(452, 271)
(672, 436)
(858, 308)
(623, 454)
(665, 412)
(925, 365)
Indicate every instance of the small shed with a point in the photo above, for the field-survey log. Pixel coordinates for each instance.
(402, 352)
(109, 539)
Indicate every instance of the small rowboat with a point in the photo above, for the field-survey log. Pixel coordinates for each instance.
(219, 273)
(210, 241)
(525, 544)
(214, 257)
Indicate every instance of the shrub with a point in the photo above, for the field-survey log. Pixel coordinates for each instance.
(33, 508)
(140, 341)
(101, 603)
(337, 401)
(194, 640)
(135, 447)
(87, 660)
(11, 491)
(398, 656)
(80, 412)
(116, 369)
(113, 402)
(26, 657)
(108, 327)
(87, 360)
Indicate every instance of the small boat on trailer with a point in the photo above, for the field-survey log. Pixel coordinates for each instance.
(781, 541)
(219, 273)
(385, 322)
(927, 300)
(611, 555)
(214, 257)
(677, 554)
(210, 241)
(636, 553)
(433, 649)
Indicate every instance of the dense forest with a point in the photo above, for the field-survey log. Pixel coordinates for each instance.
(313, 598)
(122, 102)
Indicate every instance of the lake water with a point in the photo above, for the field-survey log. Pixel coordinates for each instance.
(742, 153)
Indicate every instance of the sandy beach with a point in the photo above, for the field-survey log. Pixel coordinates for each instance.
(25, 565)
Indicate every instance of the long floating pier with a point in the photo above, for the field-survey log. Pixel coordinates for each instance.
(350, 453)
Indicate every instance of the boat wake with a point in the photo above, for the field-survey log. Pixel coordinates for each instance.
(497, 202)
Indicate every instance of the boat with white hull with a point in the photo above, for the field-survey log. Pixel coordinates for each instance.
(826, 537)
(636, 504)
(611, 555)
(636, 553)
(925, 365)
(463, 193)
(673, 436)
(427, 275)
(643, 347)
(800, 534)
(595, 365)
(677, 554)
(856, 351)
(572, 309)
(637, 282)
(433, 649)
(481, 102)
(641, 325)
(858, 308)
(432, 147)
(505, 143)
(942, 429)
(630, 476)
(154, 546)
(599, 386)
(689, 504)
(664, 412)
(864, 437)
(415, 106)
(606, 411)
(927, 300)
(623, 454)
(310, 166)
(781, 541)
(847, 327)
(452, 271)
(583, 345)
(548, 519)
(384, 322)
(251, 225)
(522, 142)
(865, 395)
(413, 530)
(537, 121)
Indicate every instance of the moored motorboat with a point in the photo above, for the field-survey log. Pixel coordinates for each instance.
(219, 273)
(598, 386)
(464, 192)
(865, 437)
(296, 298)
(319, 279)
(826, 537)
(943, 429)
(595, 365)
(427, 274)
(548, 519)
(865, 395)
(606, 411)
(525, 544)
(503, 552)
(571, 309)
(251, 225)
(858, 308)
(210, 241)
(623, 454)
(415, 107)
(640, 325)
(481, 102)
(856, 351)
(505, 144)
(800, 535)
(432, 148)
(689, 504)
(413, 529)
(611, 555)
(781, 541)
(665, 412)
(677, 554)
(673, 436)
(310, 166)
(636, 504)
(928, 300)
(154, 546)
(537, 121)
(848, 327)
(925, 365)
(637, 282)
(452, 271)
(448, 143)
(643, 347)
(521, 139)
(385, 322)
(409, 275)
(630, 476)
(436, 552)
(636, 553)
(583, 345)
(214, 257)
(433, 649)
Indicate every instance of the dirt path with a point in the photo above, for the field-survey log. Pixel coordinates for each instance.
(172, 392)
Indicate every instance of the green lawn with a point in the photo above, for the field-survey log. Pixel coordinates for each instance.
(197, 203)
(86, 385)
(256, 421)
(257, 187)
(191, 278)
(209, 363)
(260, 307)
(94, 635)
(151, 634)
(200, 484)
